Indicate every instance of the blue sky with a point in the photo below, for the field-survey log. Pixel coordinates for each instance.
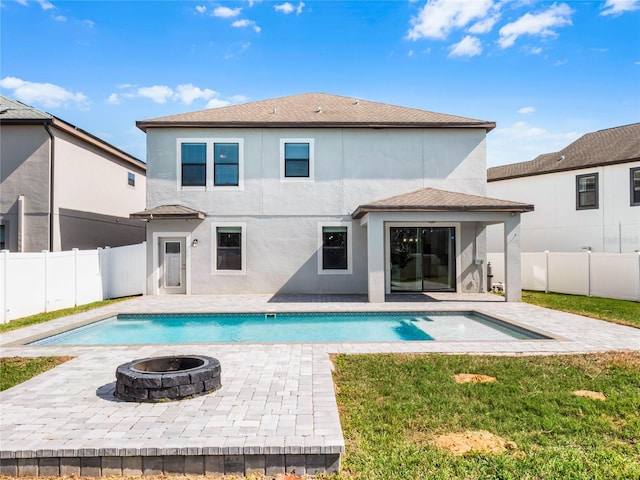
(545, 72)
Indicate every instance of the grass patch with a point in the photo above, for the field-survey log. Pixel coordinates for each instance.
(623, 312)
(393, 408)
(45, 317)
(15, 370)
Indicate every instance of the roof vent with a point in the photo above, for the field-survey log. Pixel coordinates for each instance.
(561, 158)
(356, 102)
(319, 110)
(275, 110)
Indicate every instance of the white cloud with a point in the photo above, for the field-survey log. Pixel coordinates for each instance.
(523, 130)
(468, 47)
(60, 18)
(288, 8)
(438, 17)
(618, 7)
(226, 12)
(217, 103)
(246, 23)
(535, 50)
(525, 110)
(239, 98)
(89, 23)
(113, 99)
(484, 26)
(542, 24)
(201, 8)
(46, 94)
(187, 93)
(22, 2)
(46, 5)
(157, 93)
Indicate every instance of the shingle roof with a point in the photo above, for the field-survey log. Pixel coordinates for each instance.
(604, 147)
(12, 110)
(434, 200)
(168, 212)
(315, 110)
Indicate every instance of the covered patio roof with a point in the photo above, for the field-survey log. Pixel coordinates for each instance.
(434, 200)
(168, 212)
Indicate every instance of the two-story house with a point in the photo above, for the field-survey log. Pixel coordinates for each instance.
(63, 188)
(318, 193)
(587, 195)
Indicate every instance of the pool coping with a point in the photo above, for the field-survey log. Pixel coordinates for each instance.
(278, 397)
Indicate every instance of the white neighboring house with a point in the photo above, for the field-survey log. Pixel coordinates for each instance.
(586, 196)
(63, 188)
(318, 193)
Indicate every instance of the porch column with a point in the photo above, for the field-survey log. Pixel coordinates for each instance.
(375, 259)
(512, 259)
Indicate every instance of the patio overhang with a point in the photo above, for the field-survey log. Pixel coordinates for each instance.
(434, 200)
(168, 212)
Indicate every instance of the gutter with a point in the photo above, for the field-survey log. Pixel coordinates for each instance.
(52, 152)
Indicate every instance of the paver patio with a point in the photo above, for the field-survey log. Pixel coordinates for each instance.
(276, 409)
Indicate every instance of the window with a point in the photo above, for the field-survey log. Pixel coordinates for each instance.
(296, 159)
(334, 255)
(210, 164)
(194, 164)
(229, 245)
(587, 191)
(226, 164)
(635, 186)
(3, 244)
(131, 179)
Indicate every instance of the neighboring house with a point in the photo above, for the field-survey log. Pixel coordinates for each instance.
(318, 193)
(62, 187)
(587, 195)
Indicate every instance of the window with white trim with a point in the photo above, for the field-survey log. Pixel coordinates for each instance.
(210, 163)
(296, 159)
(131, 179)
(229, 248)
(587, 191)
(635, 186)
(334, 248)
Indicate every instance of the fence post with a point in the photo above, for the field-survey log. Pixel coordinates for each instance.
(589, 273)
(46, 280)
(5, 257)
(75, 276)
(638, 290)
(546, 271)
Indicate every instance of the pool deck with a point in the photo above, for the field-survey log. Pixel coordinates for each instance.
(276, 409)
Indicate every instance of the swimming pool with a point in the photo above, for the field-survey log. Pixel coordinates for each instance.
(133, 329)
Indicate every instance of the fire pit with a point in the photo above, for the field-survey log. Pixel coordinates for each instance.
(167, 378)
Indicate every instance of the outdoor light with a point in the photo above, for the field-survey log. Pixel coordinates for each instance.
(194, 244)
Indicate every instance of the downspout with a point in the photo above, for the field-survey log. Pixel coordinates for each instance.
(51, 174)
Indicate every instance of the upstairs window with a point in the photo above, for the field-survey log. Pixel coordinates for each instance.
(194, 164)
(3, 244)
(131, 179)
(226, 165)
(296, 159)
(587, 191)
(635, 186)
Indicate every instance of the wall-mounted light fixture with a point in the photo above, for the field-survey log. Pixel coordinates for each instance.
(194, 244)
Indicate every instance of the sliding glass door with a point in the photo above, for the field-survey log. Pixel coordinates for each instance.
(423, 259)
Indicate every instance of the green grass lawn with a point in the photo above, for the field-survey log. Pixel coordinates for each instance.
(618, 311)
(45, 317)
(15, 370)
(392, 407)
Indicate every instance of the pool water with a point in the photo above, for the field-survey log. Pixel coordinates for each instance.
(130, 329)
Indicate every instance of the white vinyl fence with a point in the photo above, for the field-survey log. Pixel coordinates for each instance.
(608, 275)
(32, 283)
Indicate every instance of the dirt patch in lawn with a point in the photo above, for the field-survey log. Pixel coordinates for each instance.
(590, 394)
(473, 378)
(479, 441)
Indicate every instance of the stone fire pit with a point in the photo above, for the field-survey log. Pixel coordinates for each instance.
(167, 378)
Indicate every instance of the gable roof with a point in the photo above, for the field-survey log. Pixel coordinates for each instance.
(604, 147)
(13, 112)
(434, 200)
(315, 110)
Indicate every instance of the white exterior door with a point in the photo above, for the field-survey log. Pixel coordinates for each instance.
(173, 265)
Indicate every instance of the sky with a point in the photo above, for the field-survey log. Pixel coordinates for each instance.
(546, 72)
